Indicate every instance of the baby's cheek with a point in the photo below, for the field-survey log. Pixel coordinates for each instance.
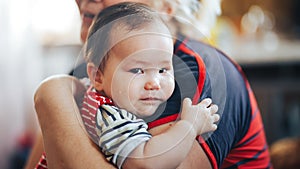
(169, 85)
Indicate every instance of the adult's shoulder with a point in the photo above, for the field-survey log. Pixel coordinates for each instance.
(227, 88)
(221, 68)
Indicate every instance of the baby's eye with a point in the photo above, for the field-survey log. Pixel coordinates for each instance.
(136, 71)
(162, 70)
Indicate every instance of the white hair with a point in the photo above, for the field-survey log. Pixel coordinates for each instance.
(194, 18)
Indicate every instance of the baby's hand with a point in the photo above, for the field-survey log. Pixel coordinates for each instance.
(202, 116)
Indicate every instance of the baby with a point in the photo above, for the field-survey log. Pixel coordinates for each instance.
(129, 53)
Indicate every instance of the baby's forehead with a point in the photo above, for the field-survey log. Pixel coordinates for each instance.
(121, 33)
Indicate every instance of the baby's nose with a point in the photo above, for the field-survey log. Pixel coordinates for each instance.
(152, 85)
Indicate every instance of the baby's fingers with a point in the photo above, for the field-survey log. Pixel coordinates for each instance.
(216, 117)
(210, 128)
(214, 127)
(213, 108)
(187, 102)
(205, 102)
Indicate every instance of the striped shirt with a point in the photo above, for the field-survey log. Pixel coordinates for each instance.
(116, 131)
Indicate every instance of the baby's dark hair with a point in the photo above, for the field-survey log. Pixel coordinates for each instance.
(126, 16)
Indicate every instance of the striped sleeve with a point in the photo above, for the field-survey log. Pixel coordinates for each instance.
(88, 114)
(42, 164)
(120, 132)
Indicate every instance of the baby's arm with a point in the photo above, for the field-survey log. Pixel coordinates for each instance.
(169, 149)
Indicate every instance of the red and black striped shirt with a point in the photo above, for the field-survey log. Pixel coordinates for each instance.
(240, 140)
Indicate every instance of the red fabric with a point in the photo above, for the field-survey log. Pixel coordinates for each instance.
(163, 121)
(254, 144)
(42, 163)
(202, 70)
(208, 152)
(89, 109)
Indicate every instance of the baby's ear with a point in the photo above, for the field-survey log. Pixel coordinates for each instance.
(95, 76)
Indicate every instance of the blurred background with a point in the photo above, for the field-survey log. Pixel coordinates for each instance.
(39, 38)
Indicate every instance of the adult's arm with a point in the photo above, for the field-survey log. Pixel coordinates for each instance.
(35, 153)
(65, 141)
(196, 158)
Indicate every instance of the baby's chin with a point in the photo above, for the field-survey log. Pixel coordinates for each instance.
(146, 112)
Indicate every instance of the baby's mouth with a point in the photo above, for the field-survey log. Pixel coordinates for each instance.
(151, 100)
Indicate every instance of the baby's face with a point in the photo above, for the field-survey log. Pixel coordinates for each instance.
(138, 74)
